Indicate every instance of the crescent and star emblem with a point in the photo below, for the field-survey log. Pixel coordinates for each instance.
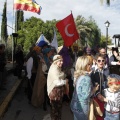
(66, 31)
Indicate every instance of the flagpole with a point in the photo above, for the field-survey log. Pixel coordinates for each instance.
(6, 8)
(16, 22)
(6, 25)
(12, 35)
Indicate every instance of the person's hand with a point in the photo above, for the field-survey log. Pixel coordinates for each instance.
(96, 87)
(67, 88)
(115, 53)
(66, 81)
(100, 97)
(42, 60)
(118, 58)
(105, 100)
(118, 63)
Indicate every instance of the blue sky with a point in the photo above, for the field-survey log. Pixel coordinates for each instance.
(53, 9)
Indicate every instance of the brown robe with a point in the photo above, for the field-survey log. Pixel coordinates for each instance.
(38, 88)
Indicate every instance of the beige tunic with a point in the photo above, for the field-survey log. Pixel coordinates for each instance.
(55, 75)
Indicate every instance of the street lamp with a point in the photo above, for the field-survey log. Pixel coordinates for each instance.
(107, 23)
(14, 36)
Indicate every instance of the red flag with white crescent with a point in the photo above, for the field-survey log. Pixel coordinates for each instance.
(68, 30)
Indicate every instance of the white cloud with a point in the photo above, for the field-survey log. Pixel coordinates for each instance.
(53, 9)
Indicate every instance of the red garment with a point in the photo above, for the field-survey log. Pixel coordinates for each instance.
(101, 104)
(68, 30)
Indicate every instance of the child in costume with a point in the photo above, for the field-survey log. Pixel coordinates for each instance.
(112, 98)
(99, 76)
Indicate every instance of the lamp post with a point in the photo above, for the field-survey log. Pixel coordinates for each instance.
(14, 36)
(107, 23)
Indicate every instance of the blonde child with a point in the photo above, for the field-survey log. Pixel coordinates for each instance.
(112, 98)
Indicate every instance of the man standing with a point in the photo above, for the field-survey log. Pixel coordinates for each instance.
(102, 51)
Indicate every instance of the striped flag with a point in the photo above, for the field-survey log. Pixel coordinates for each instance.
(27, 5)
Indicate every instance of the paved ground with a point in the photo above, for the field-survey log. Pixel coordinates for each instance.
(14, 103)
(8, 89)
(20, 109)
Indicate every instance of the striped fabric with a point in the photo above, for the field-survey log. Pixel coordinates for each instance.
(27, 5)
(115, 103)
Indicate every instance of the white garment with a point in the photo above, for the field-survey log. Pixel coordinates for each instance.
(55, 77)
(59, 82)
(114, 63)
(112, 97)
(29, 66)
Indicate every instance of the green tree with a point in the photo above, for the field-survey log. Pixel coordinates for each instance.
(94, 35)
(30, 32)
(19, 20)
(82, 28)
(88, 30)
(103, 41)
(32, 28)
(4, 33)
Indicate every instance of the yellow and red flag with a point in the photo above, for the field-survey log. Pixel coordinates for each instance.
(27, 5)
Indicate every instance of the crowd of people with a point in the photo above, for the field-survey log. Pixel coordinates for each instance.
(80, 77)
(75, 76)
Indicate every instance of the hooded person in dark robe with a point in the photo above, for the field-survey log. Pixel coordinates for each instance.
(67, 61)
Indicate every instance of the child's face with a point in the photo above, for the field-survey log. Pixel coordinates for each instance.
(114, 87)
(100, 62)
